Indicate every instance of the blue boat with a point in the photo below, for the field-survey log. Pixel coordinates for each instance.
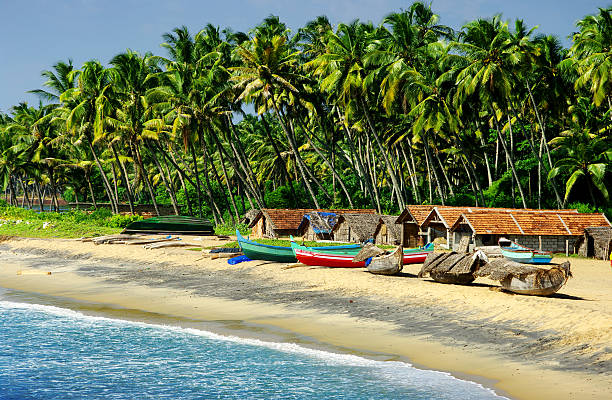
(521, 254)
(259, 251)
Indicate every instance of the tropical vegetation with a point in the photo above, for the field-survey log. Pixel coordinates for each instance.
(358, 115)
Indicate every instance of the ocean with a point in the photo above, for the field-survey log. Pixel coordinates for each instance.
(48, 352)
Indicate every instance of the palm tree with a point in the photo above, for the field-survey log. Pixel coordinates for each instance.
(586, 157)
(487, 70)
(592, 51)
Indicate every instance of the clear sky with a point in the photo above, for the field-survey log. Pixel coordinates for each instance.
(34, 34)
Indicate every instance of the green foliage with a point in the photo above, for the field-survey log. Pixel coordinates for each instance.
(18, 221)
(230, 229)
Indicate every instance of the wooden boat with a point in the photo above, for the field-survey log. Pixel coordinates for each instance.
(515, 252)
(417, 255)
(527, 279)
(452, 267)
(259, 251)
(345, 258)
(172, 224)
(326, 258)
(388, 264)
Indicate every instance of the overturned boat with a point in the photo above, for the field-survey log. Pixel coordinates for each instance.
(527, 279)
(452, 267)
(380, 262)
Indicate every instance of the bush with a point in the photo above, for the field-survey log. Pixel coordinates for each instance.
(230, 229)
(121, 221)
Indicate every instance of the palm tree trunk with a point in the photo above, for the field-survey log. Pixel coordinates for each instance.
(197, 178)
(296, 153)
(400, 196)
(510, 160)
(107, 186)
(359, 162)
(166, 184)
(486, 158)
(412, 175)
(433, 168)
(244, 163)
(283, 168)
(448, 182)
(126, 181)
(330, 165)
(91, 191)
(145, 175)
(227, 183)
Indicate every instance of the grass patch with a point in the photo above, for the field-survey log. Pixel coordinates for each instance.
(16, 221)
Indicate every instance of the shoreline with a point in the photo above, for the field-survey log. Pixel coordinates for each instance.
(334, 313)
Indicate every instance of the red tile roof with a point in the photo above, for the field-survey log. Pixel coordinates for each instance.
(529, 222)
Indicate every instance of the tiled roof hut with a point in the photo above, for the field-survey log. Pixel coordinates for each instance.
(318, 225)
(549, 230)
(410, 221)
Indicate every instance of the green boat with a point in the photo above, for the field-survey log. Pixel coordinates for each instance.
(172, 224)
(259, 251)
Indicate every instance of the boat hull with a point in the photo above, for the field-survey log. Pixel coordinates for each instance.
(390, 264)
(526, 286)
(327, 259)
(527, 257)
(259, 251)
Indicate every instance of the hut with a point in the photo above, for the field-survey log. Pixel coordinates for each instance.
(274, 223)
(438, 222)
(318, 225)
(597, 242)
(548, 230)
(410, 221)
(282, 222)
(387, 231)
(355, 228)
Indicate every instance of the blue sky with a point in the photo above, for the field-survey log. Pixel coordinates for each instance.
(34, 34)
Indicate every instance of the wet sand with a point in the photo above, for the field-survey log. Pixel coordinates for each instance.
(522, 346)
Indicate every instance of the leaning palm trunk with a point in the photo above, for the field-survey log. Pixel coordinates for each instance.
(509, 159)
(296, 153)
(390, 171)
(326, 162)
(169, 188)
(145, 174)
(526, 279)
(107, 186)
(126, 181)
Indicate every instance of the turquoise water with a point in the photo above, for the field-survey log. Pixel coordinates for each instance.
(48, 352)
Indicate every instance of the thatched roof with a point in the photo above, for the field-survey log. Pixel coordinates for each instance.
(389, 220)
(321, 222)
(250, 216)
(529, 222)
(362, 225)
(291, 218)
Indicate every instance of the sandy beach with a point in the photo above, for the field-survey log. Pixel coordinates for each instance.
(523, 347)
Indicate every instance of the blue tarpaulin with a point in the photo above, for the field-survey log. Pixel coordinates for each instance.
(239, 259)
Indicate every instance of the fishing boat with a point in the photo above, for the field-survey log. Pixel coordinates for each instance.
(515, 252)
(326, 258)
(345, 258)
(417, 255)
(453, 267)
(259, 251)
(387, 264)
(171, 224)
(525, 278)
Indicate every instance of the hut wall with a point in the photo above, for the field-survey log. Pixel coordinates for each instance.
(384, 235)
(596, 242)
(411, 235)
(258, 229)
(343, 233)
(459, 234)
(556, 244)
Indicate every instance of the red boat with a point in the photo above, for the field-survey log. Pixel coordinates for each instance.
(308, 256)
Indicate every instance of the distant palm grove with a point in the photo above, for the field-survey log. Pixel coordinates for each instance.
(358, 115)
